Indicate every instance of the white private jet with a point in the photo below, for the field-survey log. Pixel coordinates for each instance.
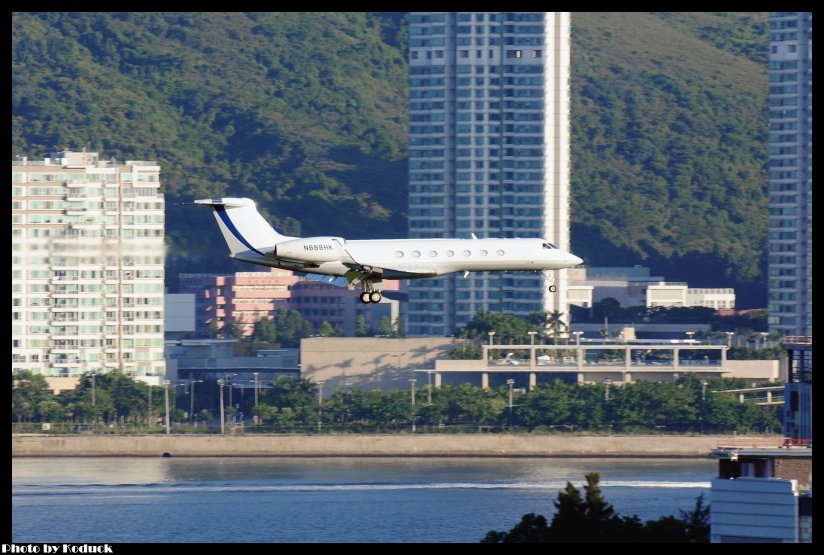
(367, 262)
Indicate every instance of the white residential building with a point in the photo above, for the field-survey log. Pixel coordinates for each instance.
(87, 266)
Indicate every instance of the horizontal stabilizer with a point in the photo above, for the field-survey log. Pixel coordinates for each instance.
(229, 201)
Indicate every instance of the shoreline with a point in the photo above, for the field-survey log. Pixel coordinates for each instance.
(378, 445)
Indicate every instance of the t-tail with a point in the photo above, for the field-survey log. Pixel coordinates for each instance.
(247, 233)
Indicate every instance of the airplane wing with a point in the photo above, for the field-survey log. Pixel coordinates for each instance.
(362, 271)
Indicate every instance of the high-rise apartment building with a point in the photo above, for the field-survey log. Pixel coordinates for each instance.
(790, 173)
(87, 266)
(488, 153)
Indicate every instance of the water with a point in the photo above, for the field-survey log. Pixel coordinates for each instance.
(277, 500)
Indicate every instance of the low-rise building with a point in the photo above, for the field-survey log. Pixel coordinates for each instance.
(634, 286)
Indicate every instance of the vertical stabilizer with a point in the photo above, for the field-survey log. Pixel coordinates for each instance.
(244, 229)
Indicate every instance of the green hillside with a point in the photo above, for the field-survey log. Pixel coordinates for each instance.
(306, 113)
(669, 146)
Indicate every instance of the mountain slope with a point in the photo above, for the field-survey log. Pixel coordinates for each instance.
(306, 113)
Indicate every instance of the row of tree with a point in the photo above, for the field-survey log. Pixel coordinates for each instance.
(291, 404)
(591, 519)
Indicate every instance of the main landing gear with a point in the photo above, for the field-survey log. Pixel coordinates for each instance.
(371, 293)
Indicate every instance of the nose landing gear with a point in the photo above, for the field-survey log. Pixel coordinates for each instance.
(551, 279)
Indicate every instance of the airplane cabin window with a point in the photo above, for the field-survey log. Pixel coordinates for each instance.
(433, 253)
(482, 252)
(416, 254)
(466, 253)
(398, 254)
(450, 253)
(499, 252)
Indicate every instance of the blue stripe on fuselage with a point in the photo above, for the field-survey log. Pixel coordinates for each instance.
(221, 211)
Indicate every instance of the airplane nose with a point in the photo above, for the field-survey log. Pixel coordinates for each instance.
(575, 260)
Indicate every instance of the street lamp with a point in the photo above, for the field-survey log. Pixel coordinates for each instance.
(703, 397)
(222, 423)
(490, 333)
(607, 383)
(729, 338)
(256, 388)
(510, 382)
(93, 388)
(429, 387)
(689, 335)
(413, 381)
(763, 335)
(320, 404)
(192, 395)
(532, 337)
(166, 396)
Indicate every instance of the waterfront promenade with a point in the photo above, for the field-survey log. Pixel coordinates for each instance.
(376, 445)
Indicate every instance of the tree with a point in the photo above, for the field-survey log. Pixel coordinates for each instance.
(264, 330)
(532, 529)
(361, 329)
(385, 327)
(326, 329)
(546, 405)
(697, 522)
(28, 391)
(555, 324)
(591, 518)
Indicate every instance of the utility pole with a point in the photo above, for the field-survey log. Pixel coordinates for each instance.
(413, 381)
(166, 395)
(320, 405)
(510, 383)
(222, 419)
(256, 389)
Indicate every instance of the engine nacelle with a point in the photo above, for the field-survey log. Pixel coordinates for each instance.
(310, 249)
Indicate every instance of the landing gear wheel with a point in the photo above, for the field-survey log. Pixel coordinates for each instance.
(375, 297)
(553, 288)
(364, 297)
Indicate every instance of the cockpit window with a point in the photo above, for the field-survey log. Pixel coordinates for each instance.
(549, 246)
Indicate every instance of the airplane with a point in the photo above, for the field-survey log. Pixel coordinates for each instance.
(367, 262)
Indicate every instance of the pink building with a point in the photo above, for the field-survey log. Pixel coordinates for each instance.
(243, 298)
